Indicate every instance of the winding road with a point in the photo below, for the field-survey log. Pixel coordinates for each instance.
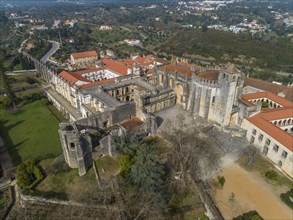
(54, 48)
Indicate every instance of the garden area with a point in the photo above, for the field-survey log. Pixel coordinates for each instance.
(31, 132)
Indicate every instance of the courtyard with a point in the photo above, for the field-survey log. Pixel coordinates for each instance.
(251, 192)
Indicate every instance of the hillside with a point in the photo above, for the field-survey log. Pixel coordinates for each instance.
(224, 45)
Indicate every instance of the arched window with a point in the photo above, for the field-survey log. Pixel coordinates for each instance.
(72, 145)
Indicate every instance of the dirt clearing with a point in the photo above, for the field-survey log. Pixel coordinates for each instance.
(251, 193)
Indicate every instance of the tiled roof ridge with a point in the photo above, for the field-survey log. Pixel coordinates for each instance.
(84, 54)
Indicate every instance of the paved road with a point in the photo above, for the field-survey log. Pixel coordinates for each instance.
(54, 48)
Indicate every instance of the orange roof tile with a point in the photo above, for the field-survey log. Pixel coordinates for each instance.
(262, 121)
(84, 54)
(115, 66)
(149, 71)
(38, 26)
(209, 74)
(270, 87)
(69, 77)
(163, 61)
(269, 95)
(129, 62)
(176, 69)
(132, 124)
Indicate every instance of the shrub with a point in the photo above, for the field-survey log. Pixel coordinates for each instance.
(30, 80)
(203, 216)
(252, 215)
(271, 175)
(45, 101)
(288, 198)
(265, 105)
(29, 174)
(221, 181)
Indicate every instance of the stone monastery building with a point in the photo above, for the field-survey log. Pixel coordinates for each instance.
(120, 95)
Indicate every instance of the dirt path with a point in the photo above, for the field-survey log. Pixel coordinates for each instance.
(251, 193)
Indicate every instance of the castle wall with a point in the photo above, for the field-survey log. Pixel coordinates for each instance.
(214, 100)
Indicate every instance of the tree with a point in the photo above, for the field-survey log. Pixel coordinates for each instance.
(9, 95)
(147, 172)
(142, 176)
(204, 28)
(27, 173)
(189, 152)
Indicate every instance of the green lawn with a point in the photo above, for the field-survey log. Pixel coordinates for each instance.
(107, 167)
(31, 133)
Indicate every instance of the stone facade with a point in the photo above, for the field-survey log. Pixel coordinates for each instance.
(77, 147)
(84, 59)
(215, 100)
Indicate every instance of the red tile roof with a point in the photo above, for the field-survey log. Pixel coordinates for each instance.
(269, 95)
(270, 87)
(84, 54)
(162, 61)
(132, 124)
(72, 78)
(149, 71)
(262, 121)
(38, 26)
(209, 74)
(129, 62)
(176, 69)
(116, 66)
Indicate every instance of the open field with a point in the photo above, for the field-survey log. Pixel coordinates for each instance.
(31, 133)
(252, 192)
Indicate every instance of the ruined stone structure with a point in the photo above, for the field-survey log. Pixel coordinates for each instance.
(79, 139)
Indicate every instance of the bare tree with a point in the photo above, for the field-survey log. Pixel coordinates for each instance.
(141, 205)
(189, 152)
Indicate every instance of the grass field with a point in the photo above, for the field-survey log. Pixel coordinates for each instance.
(107, 167)
(66, 181)
(31, 133)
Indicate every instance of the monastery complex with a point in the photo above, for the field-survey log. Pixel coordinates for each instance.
(120, 95)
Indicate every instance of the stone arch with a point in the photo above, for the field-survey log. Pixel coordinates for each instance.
(283, 122)
(179, 93)
(161, 78)
(171, 83)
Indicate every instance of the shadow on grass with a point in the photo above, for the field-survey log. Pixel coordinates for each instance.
(12, 149)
